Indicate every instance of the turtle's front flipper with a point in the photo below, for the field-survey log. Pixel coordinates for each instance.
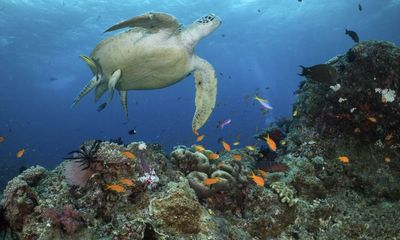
(206, 91)
(113, 82)
(92, 84)
(124, 102)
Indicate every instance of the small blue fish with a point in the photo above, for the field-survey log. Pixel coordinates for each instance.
(222, 124)
(264, 103)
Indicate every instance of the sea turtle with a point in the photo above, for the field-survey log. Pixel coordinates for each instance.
(156, 52)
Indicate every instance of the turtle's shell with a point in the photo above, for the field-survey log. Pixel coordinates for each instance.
(148, 60)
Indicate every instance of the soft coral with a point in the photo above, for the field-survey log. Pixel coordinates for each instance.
(69, 219)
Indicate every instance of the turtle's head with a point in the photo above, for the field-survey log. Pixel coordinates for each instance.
(207, 24)
(201, 28)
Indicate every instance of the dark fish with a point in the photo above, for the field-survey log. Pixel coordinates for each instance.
(101, 107)
(132, 132)
(323, 73)
(53, 78)
(222, 35)
(299, 0)
(353, 35)
(273, 167)
(359, 7)
(258, 10)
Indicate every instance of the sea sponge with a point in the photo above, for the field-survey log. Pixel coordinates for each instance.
(285, 193)
(177, 212)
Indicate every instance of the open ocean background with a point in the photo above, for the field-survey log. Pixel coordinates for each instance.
(256, 50)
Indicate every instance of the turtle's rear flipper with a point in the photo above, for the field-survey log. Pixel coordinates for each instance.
(206, 91)
(124, 102)
(113, 82)
(100, 90)
(92, 84)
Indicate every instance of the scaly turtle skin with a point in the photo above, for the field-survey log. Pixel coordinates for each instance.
(156, 52)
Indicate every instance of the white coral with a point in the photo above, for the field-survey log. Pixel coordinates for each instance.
(335, 88)
(150, 179)
(388, 95)
(142, 146)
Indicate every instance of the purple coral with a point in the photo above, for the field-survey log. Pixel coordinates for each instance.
(69, 219)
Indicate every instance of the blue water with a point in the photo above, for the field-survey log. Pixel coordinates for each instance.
(259, 44)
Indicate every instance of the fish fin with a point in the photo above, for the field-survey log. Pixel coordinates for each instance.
(113, 82)
(303, 71)
(206, 92)
(100, 90)
(123, 97)
(92, 84)
(150, 21)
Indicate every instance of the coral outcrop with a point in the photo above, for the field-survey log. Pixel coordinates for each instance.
(138, 192)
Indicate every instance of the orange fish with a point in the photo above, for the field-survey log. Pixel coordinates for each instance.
(20, 153)
(200, 137)
(344, 159)
(199, 148)
(2, 139)
(128, 182)
(115, 188)
(237, 157)
(195, 132)
(271, 144)
(128, 154)
(226, 146)
(213, 156)
(236, 143)
(389, 137)
(372, 119)
(210, 181)
(257, 179)
(262, 172)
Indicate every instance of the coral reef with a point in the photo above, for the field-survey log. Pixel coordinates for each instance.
(114, 191)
